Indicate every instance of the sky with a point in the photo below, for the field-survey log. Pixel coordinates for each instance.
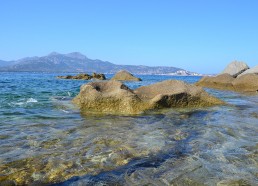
(197, 35)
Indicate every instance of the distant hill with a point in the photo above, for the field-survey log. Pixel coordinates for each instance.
(6, 63)
(77, 62)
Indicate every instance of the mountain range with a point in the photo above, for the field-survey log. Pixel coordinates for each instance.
(77, 62)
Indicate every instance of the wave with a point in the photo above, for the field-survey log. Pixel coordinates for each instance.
(31, 100)
(24, 101)
(65, 111)
(60, 98)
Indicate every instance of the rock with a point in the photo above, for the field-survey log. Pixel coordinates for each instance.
(108, 97)
(99, 76)
(237, 182)
(237, 77)
(222, 81)
(115, 97)
(125, 76)
(84, 76)
(235, 68)
(253, 70)
(65, 77)
(8, 183)
(246, 83)
(254, 114)
(174, 93)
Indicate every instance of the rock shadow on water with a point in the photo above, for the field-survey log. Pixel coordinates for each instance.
(118, 176)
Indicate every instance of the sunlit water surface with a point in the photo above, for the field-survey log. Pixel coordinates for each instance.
(44, 140)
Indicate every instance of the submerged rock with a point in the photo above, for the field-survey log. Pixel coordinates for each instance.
(84, 76)
(115, 97)
(235, 68)
(125, 76)
(237, 182)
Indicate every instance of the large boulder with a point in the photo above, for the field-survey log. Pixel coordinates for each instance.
(246, 83)
(115, 97)
(222, 81)
(125, 76)
(174, 93)
(253, 70)
(235, 68)
(108, 97)
(236, 77)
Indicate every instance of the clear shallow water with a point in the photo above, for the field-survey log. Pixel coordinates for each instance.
(45, 140)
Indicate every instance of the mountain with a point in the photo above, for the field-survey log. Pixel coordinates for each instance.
(6, 63)
(77, 62)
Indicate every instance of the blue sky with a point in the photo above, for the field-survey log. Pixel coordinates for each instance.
(197, 35)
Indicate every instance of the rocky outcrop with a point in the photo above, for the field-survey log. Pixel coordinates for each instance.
(115, 97)
(253, 70)
(222, 81)
(108, 97)
(84, 76)
(98, 76)
(235, 68)
(246, 83)
(237, 77)
(174, 93)
(125, 76)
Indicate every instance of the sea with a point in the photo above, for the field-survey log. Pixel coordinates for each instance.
(46, 140)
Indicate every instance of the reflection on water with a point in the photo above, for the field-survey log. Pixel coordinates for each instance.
(48, 142)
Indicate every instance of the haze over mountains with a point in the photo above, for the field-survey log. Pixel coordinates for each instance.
(77, 62)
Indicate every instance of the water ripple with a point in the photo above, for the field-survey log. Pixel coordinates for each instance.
(45, 140)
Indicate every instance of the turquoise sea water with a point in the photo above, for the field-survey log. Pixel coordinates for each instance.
(44, 140)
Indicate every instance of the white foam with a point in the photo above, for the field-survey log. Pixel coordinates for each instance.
(18, 103)
(65, 111)
(31, 100)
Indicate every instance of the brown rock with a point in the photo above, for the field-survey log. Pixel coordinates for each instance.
(174, 93)
(65, 77)
(246, 83)
(222, 81)
(108, 97)
(237, 182)
(125, 76)
(115, 97)
(99, 76)
(84, 76)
